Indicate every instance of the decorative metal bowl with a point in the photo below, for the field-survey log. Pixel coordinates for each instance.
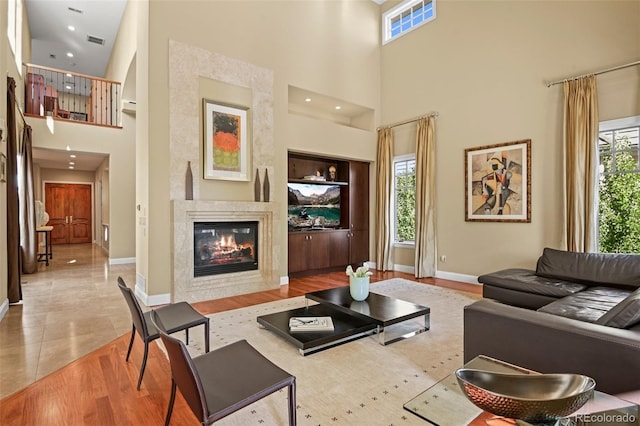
(534, 398)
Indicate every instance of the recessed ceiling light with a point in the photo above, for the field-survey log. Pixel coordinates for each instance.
(307, 100)
(71, 28)
(68, 87)
(338, 107)
(72, 156)
(69, 75)
(71, 167)
(71, 163)
(69, 54)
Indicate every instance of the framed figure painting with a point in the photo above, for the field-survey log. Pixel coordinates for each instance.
(225, 141)
(498, 182)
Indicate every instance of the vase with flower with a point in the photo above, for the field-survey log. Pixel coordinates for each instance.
(359, 282)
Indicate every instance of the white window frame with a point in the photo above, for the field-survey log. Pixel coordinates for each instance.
(396, 243)
(14, 30)
(403, 7)
(605, 126)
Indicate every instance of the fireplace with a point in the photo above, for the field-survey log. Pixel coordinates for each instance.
(224, 247)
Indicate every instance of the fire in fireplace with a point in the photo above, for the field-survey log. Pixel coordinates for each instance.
(224, 247)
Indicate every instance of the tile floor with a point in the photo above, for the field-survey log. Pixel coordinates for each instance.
(69, 308)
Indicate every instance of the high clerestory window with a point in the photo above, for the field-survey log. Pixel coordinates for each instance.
(14, 30)
(405, 17)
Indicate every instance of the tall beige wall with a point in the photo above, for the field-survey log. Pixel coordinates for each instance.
(119, 146)
(8, 69)
(482, 66)
(5, 57)
(325, 46)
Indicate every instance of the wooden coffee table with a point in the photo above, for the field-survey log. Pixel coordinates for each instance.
(351, 319)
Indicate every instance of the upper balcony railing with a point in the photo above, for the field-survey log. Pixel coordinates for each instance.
(70, 96)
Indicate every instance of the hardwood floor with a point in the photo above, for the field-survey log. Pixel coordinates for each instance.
(100, 388)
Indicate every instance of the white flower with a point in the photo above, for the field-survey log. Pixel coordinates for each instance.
(362, 271)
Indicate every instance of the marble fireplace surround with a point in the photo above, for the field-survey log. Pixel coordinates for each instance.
(193, 289)
(188, 64)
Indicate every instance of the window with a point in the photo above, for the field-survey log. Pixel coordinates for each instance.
(14, 31)
(408, 15)
(404, 199)
(619, 186)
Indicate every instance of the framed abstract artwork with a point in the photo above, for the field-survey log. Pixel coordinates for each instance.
(498, 182)
(225, 141)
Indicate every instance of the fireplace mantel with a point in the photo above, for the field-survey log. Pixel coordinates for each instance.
(190, 289)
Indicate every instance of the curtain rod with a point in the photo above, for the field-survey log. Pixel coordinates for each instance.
(595, 73)
(400, 123)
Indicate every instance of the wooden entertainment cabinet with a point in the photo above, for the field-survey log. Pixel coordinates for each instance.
(316, 250)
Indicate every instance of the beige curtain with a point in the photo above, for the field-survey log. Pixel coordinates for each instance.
(425, 239)
(384, 184)
(580, 136)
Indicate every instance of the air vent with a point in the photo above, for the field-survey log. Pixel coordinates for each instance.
(96, 40)
(73, 9)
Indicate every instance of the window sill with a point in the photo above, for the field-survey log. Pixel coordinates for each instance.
(402, 244)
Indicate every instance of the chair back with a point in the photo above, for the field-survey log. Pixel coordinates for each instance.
(183, 371)
(134, 308)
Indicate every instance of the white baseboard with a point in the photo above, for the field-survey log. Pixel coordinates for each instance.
(122, 260)
(284, 280)
(153, 300)
(453, 276)
(4, 308)
(404, 268)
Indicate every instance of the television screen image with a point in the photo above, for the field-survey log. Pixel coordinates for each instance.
(314, 205)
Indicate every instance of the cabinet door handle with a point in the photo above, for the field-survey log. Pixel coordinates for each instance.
(70, 219)
(66, 219)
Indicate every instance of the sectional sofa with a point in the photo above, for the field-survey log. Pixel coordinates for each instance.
(576, 313)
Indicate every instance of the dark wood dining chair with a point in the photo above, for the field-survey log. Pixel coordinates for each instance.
(224, 380)
(176, 316)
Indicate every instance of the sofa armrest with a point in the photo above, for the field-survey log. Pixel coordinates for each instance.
(552, 344)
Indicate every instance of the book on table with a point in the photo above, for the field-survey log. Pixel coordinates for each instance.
(306, 324)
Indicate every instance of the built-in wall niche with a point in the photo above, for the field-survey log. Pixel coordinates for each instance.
(322, 107)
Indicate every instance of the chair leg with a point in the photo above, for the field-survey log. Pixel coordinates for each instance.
(292, 404)
(171, 400)
(186, 339)
(133, 335)
(144, 362)
(206, 336)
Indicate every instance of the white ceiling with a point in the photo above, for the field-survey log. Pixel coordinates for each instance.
(54, 159)
(51, 39)
(48, 22)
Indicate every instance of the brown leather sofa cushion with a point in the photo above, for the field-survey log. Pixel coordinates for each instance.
(625, 314)
(590, 268)
(588, 305)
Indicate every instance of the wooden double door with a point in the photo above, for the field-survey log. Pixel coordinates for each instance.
(69, 209)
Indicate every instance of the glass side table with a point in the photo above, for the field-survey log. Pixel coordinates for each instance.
(445, 404)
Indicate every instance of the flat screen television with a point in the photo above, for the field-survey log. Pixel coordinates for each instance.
(313, 205)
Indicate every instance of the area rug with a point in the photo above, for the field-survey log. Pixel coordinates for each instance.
(357, 383)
